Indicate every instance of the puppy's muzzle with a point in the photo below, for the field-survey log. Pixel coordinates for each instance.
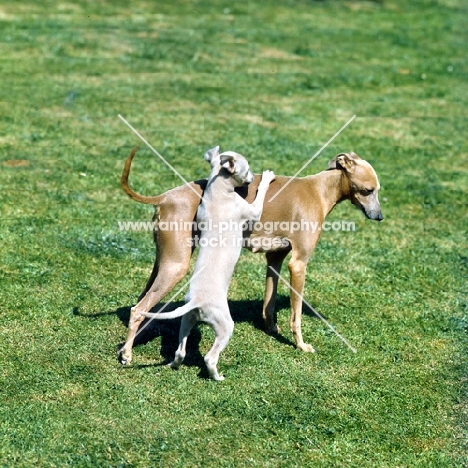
(249, 179)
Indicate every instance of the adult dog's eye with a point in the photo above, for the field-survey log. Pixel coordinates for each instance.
(367, 191)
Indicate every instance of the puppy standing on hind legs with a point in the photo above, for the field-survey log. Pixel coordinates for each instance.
(225, 212)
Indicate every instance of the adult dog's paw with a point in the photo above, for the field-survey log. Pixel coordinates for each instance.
(307, 348)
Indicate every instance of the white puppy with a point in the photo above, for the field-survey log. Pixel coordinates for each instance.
(225, 212)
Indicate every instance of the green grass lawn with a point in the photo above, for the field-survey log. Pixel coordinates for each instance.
(274, 81)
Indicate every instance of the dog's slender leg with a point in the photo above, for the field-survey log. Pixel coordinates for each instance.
(151, 279)
(223, 325)
(186, 325)
(274, 260)
(297, 267)
(173, 265)
(163, 284)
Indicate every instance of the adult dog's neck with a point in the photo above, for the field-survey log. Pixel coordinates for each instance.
(333, 186)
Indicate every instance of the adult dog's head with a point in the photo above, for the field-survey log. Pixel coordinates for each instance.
(360, 183)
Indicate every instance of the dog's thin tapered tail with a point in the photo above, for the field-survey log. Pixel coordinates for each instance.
(126, 188)
(185, 309)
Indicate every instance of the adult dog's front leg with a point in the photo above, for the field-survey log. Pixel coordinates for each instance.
(297, 269)
(274, 262)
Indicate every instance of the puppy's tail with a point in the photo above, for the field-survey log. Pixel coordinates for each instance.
(126, 188)
(185, 309)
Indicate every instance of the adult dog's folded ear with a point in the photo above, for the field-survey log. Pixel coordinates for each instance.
(345, 161)
(212, 155)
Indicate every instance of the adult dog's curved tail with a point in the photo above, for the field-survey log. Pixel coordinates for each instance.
(126, 188)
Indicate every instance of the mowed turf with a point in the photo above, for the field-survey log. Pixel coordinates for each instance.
(274, 81)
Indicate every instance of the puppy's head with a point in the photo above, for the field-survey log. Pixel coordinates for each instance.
(230, 164)
(362, 181)
(236, 167)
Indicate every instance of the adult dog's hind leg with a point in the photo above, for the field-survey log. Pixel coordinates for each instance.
(151, 279)
(174, 261)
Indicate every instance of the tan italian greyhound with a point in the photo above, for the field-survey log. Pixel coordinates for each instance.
(306, 199)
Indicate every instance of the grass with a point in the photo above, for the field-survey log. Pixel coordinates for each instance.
(274, 81)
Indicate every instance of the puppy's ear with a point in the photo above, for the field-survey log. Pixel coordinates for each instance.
(212, 154)
(228, 162)
(344, 161)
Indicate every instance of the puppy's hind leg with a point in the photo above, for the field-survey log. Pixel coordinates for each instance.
(188, 322)
(223, 326)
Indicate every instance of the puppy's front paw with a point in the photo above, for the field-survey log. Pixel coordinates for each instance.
(268, 176)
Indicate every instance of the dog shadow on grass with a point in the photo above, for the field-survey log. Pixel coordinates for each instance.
(244, 311)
